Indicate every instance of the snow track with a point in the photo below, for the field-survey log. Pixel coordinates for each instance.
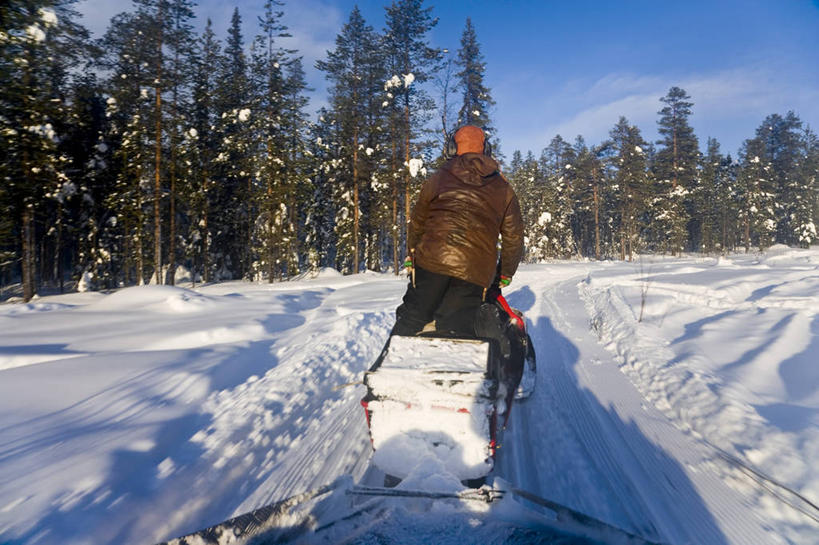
(609, 453)
(152, 412)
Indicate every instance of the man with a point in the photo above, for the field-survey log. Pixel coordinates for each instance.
(453, 235)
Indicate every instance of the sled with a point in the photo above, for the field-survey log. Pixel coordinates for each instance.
(433, 396)
(448, 398)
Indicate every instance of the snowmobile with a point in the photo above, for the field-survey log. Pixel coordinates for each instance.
(449, 397)
(428, 395)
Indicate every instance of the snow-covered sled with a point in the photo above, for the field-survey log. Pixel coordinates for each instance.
(448, 397)
(433, 396)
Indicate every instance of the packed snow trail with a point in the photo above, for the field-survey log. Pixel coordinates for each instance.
(612, 442)
(151, 412)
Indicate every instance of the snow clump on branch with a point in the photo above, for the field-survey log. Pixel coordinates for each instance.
(416, 166)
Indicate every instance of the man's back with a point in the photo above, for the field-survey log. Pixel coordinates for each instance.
(461, 211)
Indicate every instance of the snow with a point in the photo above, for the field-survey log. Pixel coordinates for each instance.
(48, 16)
(433, 403)
(142, 414)
(415, 166)
(35, 33)
(394, 81)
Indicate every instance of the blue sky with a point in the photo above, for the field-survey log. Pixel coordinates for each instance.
(573, 68)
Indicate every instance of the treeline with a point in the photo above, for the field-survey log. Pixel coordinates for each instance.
(156, 149)
(626, 195)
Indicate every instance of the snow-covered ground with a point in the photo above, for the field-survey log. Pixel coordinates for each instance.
(140, 415)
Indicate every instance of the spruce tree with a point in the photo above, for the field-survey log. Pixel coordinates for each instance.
(354, 71)
(179, 40)
(675, 168)
(298, 162)
(201, 149)
(712, 198)
(39, 42)
(556, 164)
(477, 101)
(631, 190)
(413, 62)
(756, 195)
(233, 224)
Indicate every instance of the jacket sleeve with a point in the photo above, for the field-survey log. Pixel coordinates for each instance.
(511, 237)
(418, 217)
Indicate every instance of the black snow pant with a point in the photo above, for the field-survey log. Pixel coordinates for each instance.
(453, 304)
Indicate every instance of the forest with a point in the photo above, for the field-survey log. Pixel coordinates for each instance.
(157, 152)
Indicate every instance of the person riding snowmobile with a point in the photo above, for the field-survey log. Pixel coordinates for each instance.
(461, 211)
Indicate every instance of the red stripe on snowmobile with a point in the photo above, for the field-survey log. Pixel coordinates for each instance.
(512, 314)
(366, 411)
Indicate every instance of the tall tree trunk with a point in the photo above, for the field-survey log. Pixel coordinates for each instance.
(271, 212)
(596, 217)
(406, 170)
(356, 218)
(59, 249)
(27, 227)
(158, 151)
(140, 234)
(172, 194)
(622, 234)
(674, 160)
(395, 228)
(28, 253)
(206, 234)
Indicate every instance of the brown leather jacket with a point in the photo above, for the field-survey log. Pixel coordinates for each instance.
(461, 211)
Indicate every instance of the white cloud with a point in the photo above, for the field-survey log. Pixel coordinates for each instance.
(728, 105)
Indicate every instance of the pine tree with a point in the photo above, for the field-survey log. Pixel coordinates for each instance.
(782, 137)
(537, 204)
(234, 220)
(90, 170)
(675, 168)
(321, 236)
(179, 40)
(271, 216)
(446, 84)
(589, 176)
(631, 188)
(806, 193)
(298, 161)
(477, 101)
(127, 60)
(39, 42)
(755, 193)
(712, 203)
(556, 164)
(353, 69)
(413, 62)
(201, 149)
(153, 27)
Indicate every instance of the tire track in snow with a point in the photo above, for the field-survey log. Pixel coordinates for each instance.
(300, 432)
(639, 472)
